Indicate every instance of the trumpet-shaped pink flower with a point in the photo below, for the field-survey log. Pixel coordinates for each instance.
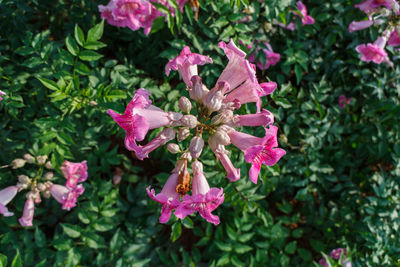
(74, 172)
(291, 26)
(373, 52)
(27, 215)
(1, 93)
(394, 39)
(168, 197)
(370, 5)
(271, 58)
(343, 101)
(66, 196)
(203, 199)
(221, 153)
(305, 18)
(238, 69)
(263, 118)
(161, 139)
(360, 25)
(258, 151)
(186, 63)
(6, 195)
(139, 117)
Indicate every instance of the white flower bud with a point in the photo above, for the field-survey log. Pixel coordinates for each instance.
(183, 133)
(173, 148)
(48, 176)
(175, 118)
(197, 167)
(41, 160)
(22, 186)
(198, 90)
(196, 146)
(48, 165)
(29, 158)
(18, 163)
(224, 117)
(189, 121)
(46, 194)
(23, 179)
(186, 156)
(221, 137)
(213, 100)
(117, 179)
(41, 187)
(184, 104)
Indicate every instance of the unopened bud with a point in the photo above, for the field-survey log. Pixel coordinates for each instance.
(175, 118)
(46, 194)
(173, 148)
(196, 146)
(23, 179)
(213, 100)
(29, 158)
(198, 90)
(18, 163)
(22, 186)
(221, 137)
(48, 176)
(184, 104)
(92, 103)
(41, 160)
(117, 179)
(48, 165)
(41, 187)
(197, 167)
(183, 133)
(223, 117)
(186, 156)
(189, 121)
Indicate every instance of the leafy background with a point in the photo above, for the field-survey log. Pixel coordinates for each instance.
(337, 186)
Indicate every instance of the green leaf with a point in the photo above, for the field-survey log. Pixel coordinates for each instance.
(223, 246)
(49, 83)
(72, 47)
(82, 69)
(87, 55)
(17, 262)
(95, 33)
(79, 36)
(71, 230)
(94, 45)
(241, 249)
(176, 231)
(290, 248)
(3, 260)
(40, 238)
(188, 223)
(299, 73)
(42, 263)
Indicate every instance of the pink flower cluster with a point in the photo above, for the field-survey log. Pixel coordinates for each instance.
(271, 58)
(134, 14)
(305, 18)
(343, 101)
(66, 195)
(213, 120)
(336, 254)
(388, 13)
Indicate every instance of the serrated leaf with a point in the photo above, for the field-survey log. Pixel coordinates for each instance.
(72, 47)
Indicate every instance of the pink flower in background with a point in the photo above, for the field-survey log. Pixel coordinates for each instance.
(258, 151)
(139, 117)
(168, 197)
(336, 254)
(186, 63)
(291, 26)
(373, 52)
(394, 39)
(271, 58)
(6, 195)
(305, 18)
(203, 199)
(1, 93)
(360, 25)
(370, 5)
(343, 101)
(66, 196)
(74, 172)
(27, 215)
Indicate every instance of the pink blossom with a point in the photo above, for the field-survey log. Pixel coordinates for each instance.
(161, 139)
(203, 199)
(27, 215)
(66, 196)
(271, 58)
(394, 39)
(305, 18)
(1, 93)
(373, 52)
(168, 197)
(343, 101)
(258, 151)
(336, 254)
(291, 26)
(6, 195)
(186, 63)
(139, 117)
(238, 69)
(370, 5)
(74, 172)
(360, 25)
(263, 118)
(221, 153)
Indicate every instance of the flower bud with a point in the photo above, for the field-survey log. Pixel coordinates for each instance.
(196, 146)
(117, 179)
(175, 118)
(183, 133)
(189, 121)
(198, 90)
(221, 137)
(22, 186)
(184, 104)
(173, 148)
(46, 193)
(48, 165)
(23, 179)
(18, 163)
(29, 158)
(224, 117)
(41, 160)
(48, 176)
(41, 187)
(213, 100)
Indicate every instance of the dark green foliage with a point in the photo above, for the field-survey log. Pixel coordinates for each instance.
(338, 185)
